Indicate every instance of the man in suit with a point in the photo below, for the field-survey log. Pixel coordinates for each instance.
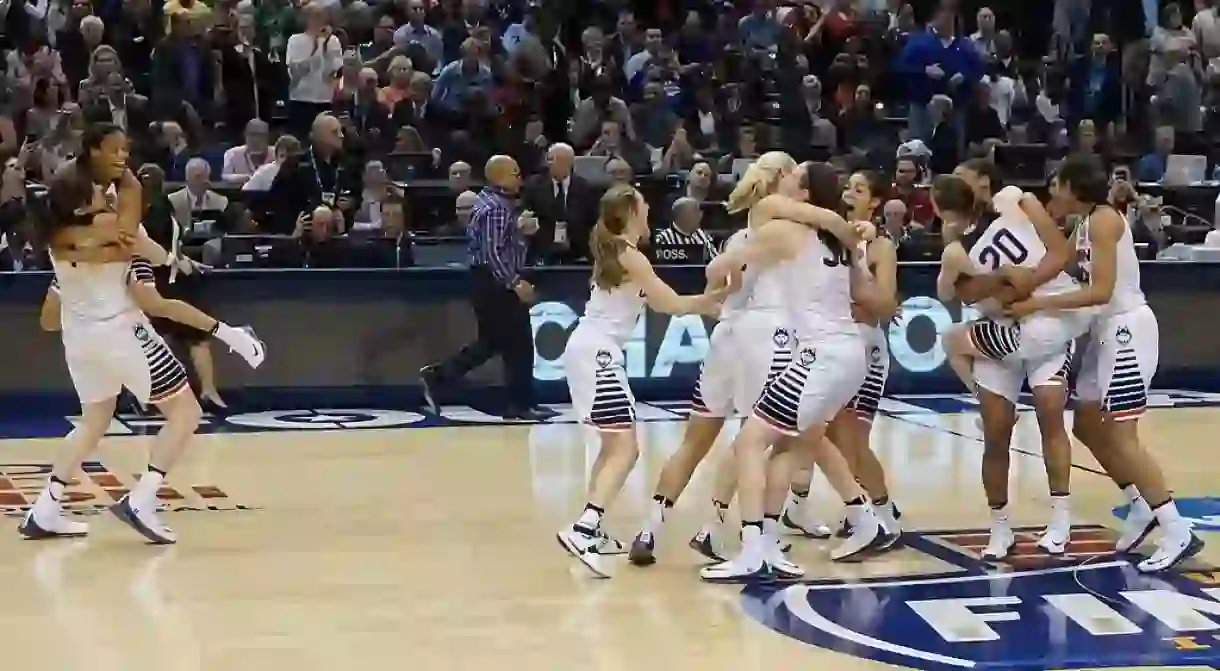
(249, 78)
(565, 205)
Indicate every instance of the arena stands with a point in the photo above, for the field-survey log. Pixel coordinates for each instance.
(675, 96)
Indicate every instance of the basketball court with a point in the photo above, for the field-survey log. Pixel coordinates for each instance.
(317, 540)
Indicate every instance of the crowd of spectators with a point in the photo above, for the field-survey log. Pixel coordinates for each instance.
(248, 116)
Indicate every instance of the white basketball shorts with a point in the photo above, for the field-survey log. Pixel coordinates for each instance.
(823, 376)
(105, 358)
(1005, 378)
(877, 353)
(1035, 338)
(743, 355)
(1120, 358)
(597, 381)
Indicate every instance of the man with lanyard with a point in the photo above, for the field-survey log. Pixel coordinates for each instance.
(500, 294)
(320, 178)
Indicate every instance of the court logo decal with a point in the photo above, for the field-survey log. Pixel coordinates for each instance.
(96, 488)
(1203, 513)
(318, 420)
(1090, 610)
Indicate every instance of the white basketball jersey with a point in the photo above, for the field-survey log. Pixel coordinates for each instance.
(614, 312)
(1011, 240)
(761, 288)
(93, 293)
(1127, 293)
(817, 284)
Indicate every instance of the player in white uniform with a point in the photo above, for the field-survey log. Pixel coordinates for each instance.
(749, 346)
(1015, 229)
(828, 368)
(623, 283)
(1118, 363)
(108, 343)
(850, 430)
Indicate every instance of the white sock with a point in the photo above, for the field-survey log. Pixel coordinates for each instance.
(751, 538)
(1060, 507)
(771, 527)
(144, 494)
(656, 517)
(1167, 514)
(999, 515)
(1131, 493)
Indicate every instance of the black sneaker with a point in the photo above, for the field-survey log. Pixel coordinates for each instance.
(642, 549)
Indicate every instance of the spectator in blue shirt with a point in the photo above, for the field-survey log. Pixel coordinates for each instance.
(1096, 86)
(934, 62)
(1151, 167)
(415, 30)
(760, 30)
(459, 78)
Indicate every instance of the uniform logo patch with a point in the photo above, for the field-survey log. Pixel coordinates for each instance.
(875, 354)
(1123, 335)
(604, 358)
(142, 333)
(781, 338)
(808, 356)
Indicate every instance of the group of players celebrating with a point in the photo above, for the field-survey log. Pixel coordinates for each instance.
(803, 294)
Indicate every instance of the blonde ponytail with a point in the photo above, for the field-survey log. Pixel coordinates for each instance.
(760, 180)
(619, 204)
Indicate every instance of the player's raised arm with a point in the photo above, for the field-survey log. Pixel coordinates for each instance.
(1058, 250)
(660, 296)
(781, 207)
(769, 243)
(1106, 228)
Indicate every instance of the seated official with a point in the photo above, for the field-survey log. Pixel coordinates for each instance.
(684, 241)
(565, 205)
(196, 206)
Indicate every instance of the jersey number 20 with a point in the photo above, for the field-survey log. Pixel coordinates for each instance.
(1004, 246)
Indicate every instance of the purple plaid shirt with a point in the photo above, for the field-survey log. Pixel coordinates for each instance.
(493, 239)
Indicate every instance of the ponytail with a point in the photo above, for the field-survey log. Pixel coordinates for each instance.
(608, 271)
(617, 207)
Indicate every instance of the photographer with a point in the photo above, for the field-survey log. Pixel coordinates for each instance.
(322, 176)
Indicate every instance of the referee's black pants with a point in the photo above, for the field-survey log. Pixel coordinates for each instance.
(504, 331)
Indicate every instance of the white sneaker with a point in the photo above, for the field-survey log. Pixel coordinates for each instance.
(891, 529)
(609, 546)
(1139, 523)
(44, 524)
(1002, 540)
(583, 546)
(745, 567)
(705, 544)
(799, 519)
(1054, 539)
(1176, 545)
(783, 568)
(866, 530)
(242, 341)
(144, 521)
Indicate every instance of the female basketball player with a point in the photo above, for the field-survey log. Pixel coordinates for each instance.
(1120, 359)
(748, 346)
(108, 342)
(818, 275)
(851, 428)
(1019, 229)
(623, 283)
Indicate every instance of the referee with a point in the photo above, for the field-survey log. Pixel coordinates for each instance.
(686, 231)
(500, 294)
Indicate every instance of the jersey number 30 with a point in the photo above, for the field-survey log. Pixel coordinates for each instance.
(1004, 247)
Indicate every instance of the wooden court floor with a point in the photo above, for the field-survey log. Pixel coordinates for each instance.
(434, 549)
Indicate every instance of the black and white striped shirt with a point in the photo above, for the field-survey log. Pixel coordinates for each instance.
(673, 237)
